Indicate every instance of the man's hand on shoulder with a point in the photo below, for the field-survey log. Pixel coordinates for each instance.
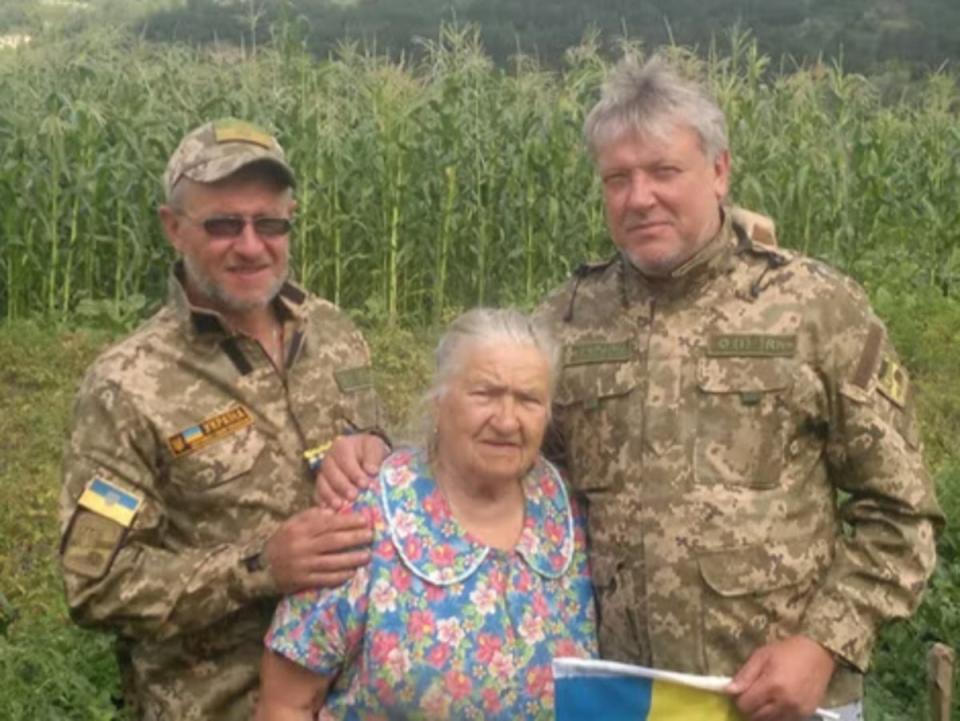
(783, 681)
(318, 547)
(349, 464)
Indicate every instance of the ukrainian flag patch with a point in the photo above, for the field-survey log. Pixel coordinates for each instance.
(107, 500)
(207, 431)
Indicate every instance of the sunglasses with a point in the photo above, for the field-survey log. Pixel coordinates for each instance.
(230, 226)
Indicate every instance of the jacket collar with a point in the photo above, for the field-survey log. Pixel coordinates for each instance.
(712, 260)
(433, 545)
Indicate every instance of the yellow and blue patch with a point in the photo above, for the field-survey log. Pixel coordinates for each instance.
(107, 500)
(209, 430)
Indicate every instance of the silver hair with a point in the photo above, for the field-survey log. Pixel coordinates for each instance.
(484, 327)
(652, 99)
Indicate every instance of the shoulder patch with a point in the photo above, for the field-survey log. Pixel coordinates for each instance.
(892, 381)
(91, 543)
(209, 430)
(595, 352)
(354, 379)
(110, 501)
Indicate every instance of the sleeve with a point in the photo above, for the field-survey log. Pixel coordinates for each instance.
(886, 549)
(121, 572)
(321, 629)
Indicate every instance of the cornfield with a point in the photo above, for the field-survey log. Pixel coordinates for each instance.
(441, 184)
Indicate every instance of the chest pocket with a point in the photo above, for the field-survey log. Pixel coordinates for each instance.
(593, 414)
(221, 461)
(742, 421)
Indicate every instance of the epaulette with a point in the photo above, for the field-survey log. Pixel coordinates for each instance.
(775, 258)
(759, 227)
(582, 271)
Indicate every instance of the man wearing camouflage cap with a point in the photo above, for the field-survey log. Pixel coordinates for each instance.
(185, 510)
(718, 396)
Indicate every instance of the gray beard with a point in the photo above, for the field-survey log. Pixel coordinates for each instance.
(222, 299)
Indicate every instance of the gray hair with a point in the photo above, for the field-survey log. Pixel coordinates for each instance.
(652, 99)
(489, 326)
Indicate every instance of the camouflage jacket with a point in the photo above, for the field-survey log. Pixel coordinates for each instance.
(746, 441)
(187, 451)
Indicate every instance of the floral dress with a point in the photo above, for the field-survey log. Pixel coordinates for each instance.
(438, 625)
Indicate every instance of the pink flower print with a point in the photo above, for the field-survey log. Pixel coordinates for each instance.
(491, 700)
(522, 582)
(540, 605)
(488, 646)
(539, 680)
(567, 647)
(400, 578)
(449, 631)
(531, 628)
(384, 596)
(443, 555)
(435, 507)
(502, 666)
(398, 664)
(439, 654)
(413, 548)
(555, 531)
(385, 549)
(547, 486)
(420, 624)
(404, 523)
(484, 599)
(435, 593)
(458, 684)
(383, 643)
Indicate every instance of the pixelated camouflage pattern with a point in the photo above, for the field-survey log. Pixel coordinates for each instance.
(189, 614)
(219, 148)
(714, 483)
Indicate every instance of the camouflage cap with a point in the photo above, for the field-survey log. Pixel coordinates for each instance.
(221, 147)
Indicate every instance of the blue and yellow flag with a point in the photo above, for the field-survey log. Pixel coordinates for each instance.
(587, 689)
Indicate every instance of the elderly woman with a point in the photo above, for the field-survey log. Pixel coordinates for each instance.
(479, 577)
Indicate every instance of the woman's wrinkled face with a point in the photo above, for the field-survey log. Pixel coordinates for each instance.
(493, 413)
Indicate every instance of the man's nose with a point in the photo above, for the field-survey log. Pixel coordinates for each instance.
(641, 195)
(249, 241)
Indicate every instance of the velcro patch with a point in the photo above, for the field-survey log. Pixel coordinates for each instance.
(110, 501)
(314, 456)
(232, 131)
(207, 431)
(752, 345)
(91, 544)
(354, 379)
(586, 353)
(892, 381)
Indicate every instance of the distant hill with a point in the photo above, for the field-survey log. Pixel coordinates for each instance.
(868, 35)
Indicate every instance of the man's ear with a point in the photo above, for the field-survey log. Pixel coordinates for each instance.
(172, 224)
(721, 174)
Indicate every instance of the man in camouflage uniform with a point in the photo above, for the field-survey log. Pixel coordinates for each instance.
(739, 424)
(719, 398)
(185, 509)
